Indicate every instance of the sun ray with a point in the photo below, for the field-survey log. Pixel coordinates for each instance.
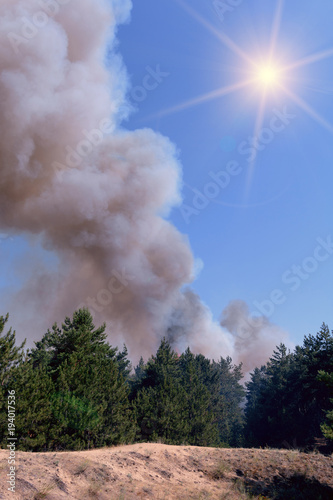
(275, 29)
(260, 114)
(308, 109)
(204, 98)
(319, 56)
(257, 127)
(268, 74)
(221, 36)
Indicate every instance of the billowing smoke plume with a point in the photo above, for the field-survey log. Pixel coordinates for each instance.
(254, 337)
(93, 193)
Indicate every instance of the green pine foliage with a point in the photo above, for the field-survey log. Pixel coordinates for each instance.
(75, 391)
(10, 355)
(159, 398)
(10, 358)
(286, 401)
(202, 428)
(34, 416)
(188, 399)
(327, 426)
(71, 390)
(230, 396)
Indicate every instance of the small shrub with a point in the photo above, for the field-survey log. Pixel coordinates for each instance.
(94, 488)
(44, 491)
(220, 471)
(82, 467)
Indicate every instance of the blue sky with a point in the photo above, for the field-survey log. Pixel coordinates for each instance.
(260, 228)
(260, 225)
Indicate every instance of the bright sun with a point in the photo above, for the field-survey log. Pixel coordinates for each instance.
(268, 75)
(262, 71)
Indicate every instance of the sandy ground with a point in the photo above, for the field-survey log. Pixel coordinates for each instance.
(158, 471)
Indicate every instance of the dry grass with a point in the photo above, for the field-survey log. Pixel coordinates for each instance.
(44, 491)
(82, 467)
(220, 470)
(162, 472)
(94, 488)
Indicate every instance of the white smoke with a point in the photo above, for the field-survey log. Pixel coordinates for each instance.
(93, 193)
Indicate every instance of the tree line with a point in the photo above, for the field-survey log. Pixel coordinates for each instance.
(75, 391)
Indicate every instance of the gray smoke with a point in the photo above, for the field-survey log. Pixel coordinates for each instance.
(254, 337)
(93, 194)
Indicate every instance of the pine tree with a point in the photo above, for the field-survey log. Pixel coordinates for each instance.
(254, 429)
(188, 398)
(327, 426)
(228, 399)
(201, 429)
(159, 399)
(89, 405)
(10, 355)
(286, 402)
(10, 358)
(34, 390)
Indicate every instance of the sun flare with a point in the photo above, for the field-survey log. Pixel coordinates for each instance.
(267, 70)
(268, 75)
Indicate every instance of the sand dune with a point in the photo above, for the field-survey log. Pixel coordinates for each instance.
(159, 471)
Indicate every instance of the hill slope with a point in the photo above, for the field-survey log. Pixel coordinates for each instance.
(158, 471)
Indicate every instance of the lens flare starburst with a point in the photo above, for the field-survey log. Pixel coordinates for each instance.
(268, 75)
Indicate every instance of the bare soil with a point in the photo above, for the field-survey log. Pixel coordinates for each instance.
(159, 471)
